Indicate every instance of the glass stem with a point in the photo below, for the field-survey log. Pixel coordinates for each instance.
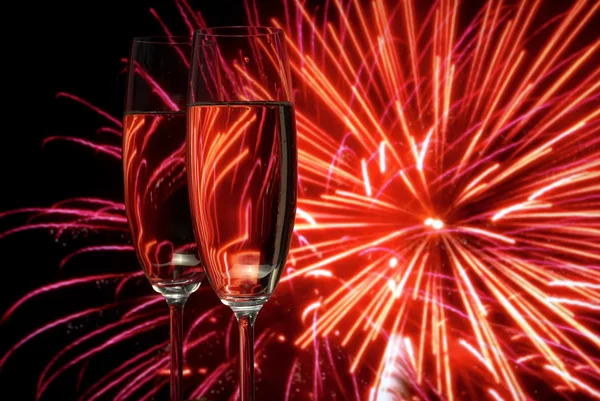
(246, 317)
(176, 304)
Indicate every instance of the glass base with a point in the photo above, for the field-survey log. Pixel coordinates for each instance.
(245, 303)
(173, 292)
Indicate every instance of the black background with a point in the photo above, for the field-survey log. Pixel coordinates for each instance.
(73, 47)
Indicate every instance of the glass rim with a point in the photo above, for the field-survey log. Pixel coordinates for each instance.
(163, 40)
(238, 31)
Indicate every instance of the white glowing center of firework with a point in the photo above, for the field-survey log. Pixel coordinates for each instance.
(393, 262)
(436, 224)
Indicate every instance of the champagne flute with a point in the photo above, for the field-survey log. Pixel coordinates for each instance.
(242, 169)
(156, 196)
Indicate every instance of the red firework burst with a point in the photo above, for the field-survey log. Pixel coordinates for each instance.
(450, 182)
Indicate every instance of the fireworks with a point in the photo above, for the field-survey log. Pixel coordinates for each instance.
(458, 201)
(448, 226)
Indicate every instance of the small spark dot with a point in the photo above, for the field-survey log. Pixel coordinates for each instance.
(436, 224)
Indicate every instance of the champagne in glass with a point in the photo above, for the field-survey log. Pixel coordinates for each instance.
(242, 163)
(156, 199)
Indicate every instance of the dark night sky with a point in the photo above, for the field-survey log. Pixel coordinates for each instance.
(74, 47)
